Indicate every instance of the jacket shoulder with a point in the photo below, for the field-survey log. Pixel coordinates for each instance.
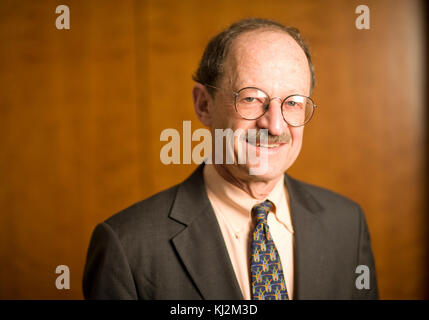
(145, 214)
(325, 197)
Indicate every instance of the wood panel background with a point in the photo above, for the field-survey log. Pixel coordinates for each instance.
(81, 112)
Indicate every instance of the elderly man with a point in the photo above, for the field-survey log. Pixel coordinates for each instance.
(225, 233)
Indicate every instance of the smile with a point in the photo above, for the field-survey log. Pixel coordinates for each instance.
(265, 146)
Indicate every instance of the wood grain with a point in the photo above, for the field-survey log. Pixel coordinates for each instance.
(82, 110)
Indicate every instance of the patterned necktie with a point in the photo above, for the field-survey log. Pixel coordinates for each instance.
(268, 281)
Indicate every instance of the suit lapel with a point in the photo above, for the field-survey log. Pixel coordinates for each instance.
(200, 245)
(202, 250)
(309, 259)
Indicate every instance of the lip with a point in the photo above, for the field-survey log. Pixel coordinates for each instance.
(268, 150)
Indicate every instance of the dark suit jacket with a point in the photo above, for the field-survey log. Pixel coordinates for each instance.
(170, 247)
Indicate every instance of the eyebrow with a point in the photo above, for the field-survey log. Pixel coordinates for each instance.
(293, 91)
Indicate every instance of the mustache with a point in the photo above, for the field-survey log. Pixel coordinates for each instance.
(264, 134)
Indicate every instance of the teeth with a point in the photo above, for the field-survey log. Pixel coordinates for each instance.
(267, 145)
(263, 145)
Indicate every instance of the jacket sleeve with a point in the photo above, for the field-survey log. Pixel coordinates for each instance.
(107, 274)
(365, 258)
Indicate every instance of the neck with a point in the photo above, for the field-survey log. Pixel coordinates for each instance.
(258, 189)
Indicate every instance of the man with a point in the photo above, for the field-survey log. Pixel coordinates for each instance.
(225, 233)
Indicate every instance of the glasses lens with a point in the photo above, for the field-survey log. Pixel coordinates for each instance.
(250, 103)
(297, 110)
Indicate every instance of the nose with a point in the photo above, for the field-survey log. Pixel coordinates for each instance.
(273, 120)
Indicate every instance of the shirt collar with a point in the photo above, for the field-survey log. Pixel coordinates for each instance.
(235, 204)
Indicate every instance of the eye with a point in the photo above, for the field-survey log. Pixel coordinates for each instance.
(296, 102)
(249, 99)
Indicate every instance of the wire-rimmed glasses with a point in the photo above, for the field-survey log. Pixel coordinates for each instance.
(252, 103)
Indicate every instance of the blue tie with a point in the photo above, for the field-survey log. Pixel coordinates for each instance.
(268, 281)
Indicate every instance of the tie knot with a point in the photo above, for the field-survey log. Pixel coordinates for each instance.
(260, 211)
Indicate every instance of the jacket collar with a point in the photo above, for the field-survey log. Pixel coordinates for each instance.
(310, 259)
(201, 247)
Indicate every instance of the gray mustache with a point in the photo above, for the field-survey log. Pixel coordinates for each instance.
(284, 138)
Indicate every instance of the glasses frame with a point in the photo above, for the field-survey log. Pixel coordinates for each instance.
(266, 107)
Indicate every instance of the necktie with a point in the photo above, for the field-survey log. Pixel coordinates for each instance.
(268, 281)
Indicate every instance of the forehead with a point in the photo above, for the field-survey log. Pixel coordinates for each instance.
(269, 59)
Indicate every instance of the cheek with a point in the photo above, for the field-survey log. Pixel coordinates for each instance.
(232, 120)
(224, 116)
(297, 134)
(295, 147)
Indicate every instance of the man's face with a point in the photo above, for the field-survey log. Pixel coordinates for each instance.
(273, 62)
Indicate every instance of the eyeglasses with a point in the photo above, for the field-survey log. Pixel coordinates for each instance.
(252, 103)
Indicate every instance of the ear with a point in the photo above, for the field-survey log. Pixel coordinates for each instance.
(202, 99)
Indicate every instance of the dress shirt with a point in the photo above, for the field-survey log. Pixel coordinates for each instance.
(232, 207)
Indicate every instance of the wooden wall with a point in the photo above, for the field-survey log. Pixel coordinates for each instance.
(81, 112)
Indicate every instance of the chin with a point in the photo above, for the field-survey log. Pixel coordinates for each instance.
(271, 173)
